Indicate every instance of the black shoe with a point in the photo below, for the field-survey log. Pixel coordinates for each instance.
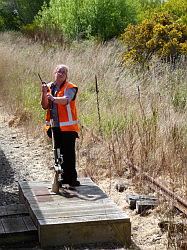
(75, 183)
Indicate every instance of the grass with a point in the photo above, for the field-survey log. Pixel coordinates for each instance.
(143, 113)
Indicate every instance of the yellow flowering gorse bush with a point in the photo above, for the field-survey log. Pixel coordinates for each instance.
(162, 36)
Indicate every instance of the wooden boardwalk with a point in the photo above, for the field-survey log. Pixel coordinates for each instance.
(81, 216)
(16, 225)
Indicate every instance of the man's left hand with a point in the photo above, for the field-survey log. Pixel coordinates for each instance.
(50, 97)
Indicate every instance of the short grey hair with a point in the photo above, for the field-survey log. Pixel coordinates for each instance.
(62, 66)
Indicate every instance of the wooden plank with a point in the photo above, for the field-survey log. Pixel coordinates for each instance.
(45, 200)
(29, 223)
(94, 219)
(29, 185)
(68, 214)
(13, 225)
(62, 201)
(87, 193)
(132, 199)
(66, 207)
(16, 224)
(3, 211)
(17, 230)
(68, 197)
(89, 233)
(143, 205)
(77, 207)
(40, 190)
(2, 231)
(15, 209)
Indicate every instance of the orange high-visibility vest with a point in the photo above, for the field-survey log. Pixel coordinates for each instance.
(67, 114)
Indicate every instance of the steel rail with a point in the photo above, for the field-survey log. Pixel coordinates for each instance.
(178, 202)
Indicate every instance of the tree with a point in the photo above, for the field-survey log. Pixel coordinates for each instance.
(15, 13)
(28, 9)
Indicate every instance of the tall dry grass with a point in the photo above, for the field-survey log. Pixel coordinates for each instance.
(143, 113)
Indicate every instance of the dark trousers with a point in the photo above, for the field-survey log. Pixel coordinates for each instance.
(66, 142)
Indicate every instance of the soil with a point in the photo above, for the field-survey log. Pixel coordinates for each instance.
(23, 157)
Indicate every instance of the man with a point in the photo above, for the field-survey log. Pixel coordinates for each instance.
(58, 98)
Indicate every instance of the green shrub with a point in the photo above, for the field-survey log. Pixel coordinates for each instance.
(1, 23)
(27, 9)
(179, 98)
(9, 16)
(161, 36)
(146, 8)
(18, 12)
(87, 18)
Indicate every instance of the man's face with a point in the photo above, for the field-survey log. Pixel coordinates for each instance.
(60, 75)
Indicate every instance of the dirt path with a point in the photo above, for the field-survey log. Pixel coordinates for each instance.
(23, 157)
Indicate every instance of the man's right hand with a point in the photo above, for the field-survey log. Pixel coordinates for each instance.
(44, 88)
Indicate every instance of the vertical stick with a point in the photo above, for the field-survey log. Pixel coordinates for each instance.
(140, 103)
(55, 183)
(40, 78)
(98, 108)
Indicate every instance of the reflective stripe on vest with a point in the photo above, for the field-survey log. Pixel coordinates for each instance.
(70, 118)
(68, 123)
(63, 123)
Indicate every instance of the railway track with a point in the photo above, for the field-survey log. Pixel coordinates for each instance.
(177, 201)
